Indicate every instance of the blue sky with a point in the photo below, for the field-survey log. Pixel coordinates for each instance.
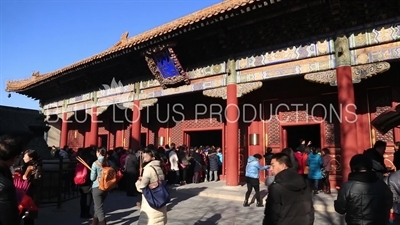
(48, 35)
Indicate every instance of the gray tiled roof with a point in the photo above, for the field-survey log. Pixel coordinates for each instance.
(15, 120)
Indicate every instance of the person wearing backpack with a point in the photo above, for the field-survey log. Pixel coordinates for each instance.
(104, 179)
(82, 178)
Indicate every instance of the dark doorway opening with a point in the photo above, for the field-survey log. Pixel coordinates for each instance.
(207, 137)
(307, 132)
(143, 139)
(103, 140)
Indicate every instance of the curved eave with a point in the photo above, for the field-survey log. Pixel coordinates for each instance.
(387, 120)
(34, 81)
(184, 24)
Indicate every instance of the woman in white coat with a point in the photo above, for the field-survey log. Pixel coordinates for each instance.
(149, 215)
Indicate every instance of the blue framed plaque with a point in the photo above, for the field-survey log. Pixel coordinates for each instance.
(165, 66)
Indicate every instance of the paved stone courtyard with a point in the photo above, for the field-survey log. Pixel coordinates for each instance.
(186, 208)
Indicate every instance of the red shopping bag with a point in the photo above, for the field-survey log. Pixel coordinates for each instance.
(28, 207)
(119, 175)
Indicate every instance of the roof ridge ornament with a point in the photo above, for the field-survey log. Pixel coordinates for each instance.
(36, 74)
(124, 39)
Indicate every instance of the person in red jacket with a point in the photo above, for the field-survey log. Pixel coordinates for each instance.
(299, 156)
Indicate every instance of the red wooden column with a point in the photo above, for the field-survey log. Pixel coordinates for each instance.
(64, 130)
(135, 134)
(232, 126)
(94, 128)
(348, 126)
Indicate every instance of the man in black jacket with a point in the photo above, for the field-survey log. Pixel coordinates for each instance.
(289, 200)
(364, 198)
(376, 155)
(10, 148)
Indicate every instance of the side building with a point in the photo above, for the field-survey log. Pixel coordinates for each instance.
(27, 124)
(241, 74)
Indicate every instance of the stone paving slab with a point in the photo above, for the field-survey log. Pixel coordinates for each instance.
(186, 208)
(322, 202)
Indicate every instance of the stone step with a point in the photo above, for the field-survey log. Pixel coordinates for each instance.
(322, 202)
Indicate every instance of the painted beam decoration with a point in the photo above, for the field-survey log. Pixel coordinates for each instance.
(165, 66)
(358, 73)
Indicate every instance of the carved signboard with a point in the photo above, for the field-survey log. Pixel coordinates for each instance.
(165, 66)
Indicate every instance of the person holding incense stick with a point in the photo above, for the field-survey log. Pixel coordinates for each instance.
(86, 189)
(99, 196)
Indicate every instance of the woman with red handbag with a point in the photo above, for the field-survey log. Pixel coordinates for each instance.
(10, 148)
(32, 172)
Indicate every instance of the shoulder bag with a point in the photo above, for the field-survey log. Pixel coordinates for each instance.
(156, 193)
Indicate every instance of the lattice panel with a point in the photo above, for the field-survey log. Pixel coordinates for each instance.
(177, 134)
(75, 139)
(396, 102)
(151, 137)
(102, 130)
(381, 101)
(273, 126)
(127, 137)
(202, 123)
(111, 140)
(143, 129)
(329, 133)
(243, 151)
(332, 122)
(274, 131)
(113, 134)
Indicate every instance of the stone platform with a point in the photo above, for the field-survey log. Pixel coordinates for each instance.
(322, 202)
(193, 204)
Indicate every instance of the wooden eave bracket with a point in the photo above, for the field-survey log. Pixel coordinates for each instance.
(359, 73)
(242, 89)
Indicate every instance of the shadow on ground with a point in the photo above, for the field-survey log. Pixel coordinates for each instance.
(177, 196)
(209, 221)
(329, 216)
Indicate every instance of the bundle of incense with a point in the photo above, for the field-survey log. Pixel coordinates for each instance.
(83, 162)
(140, 164)
(28, 172)
(138, 204)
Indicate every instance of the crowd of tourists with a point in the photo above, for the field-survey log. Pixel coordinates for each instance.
(131, 171)
(371, 196)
